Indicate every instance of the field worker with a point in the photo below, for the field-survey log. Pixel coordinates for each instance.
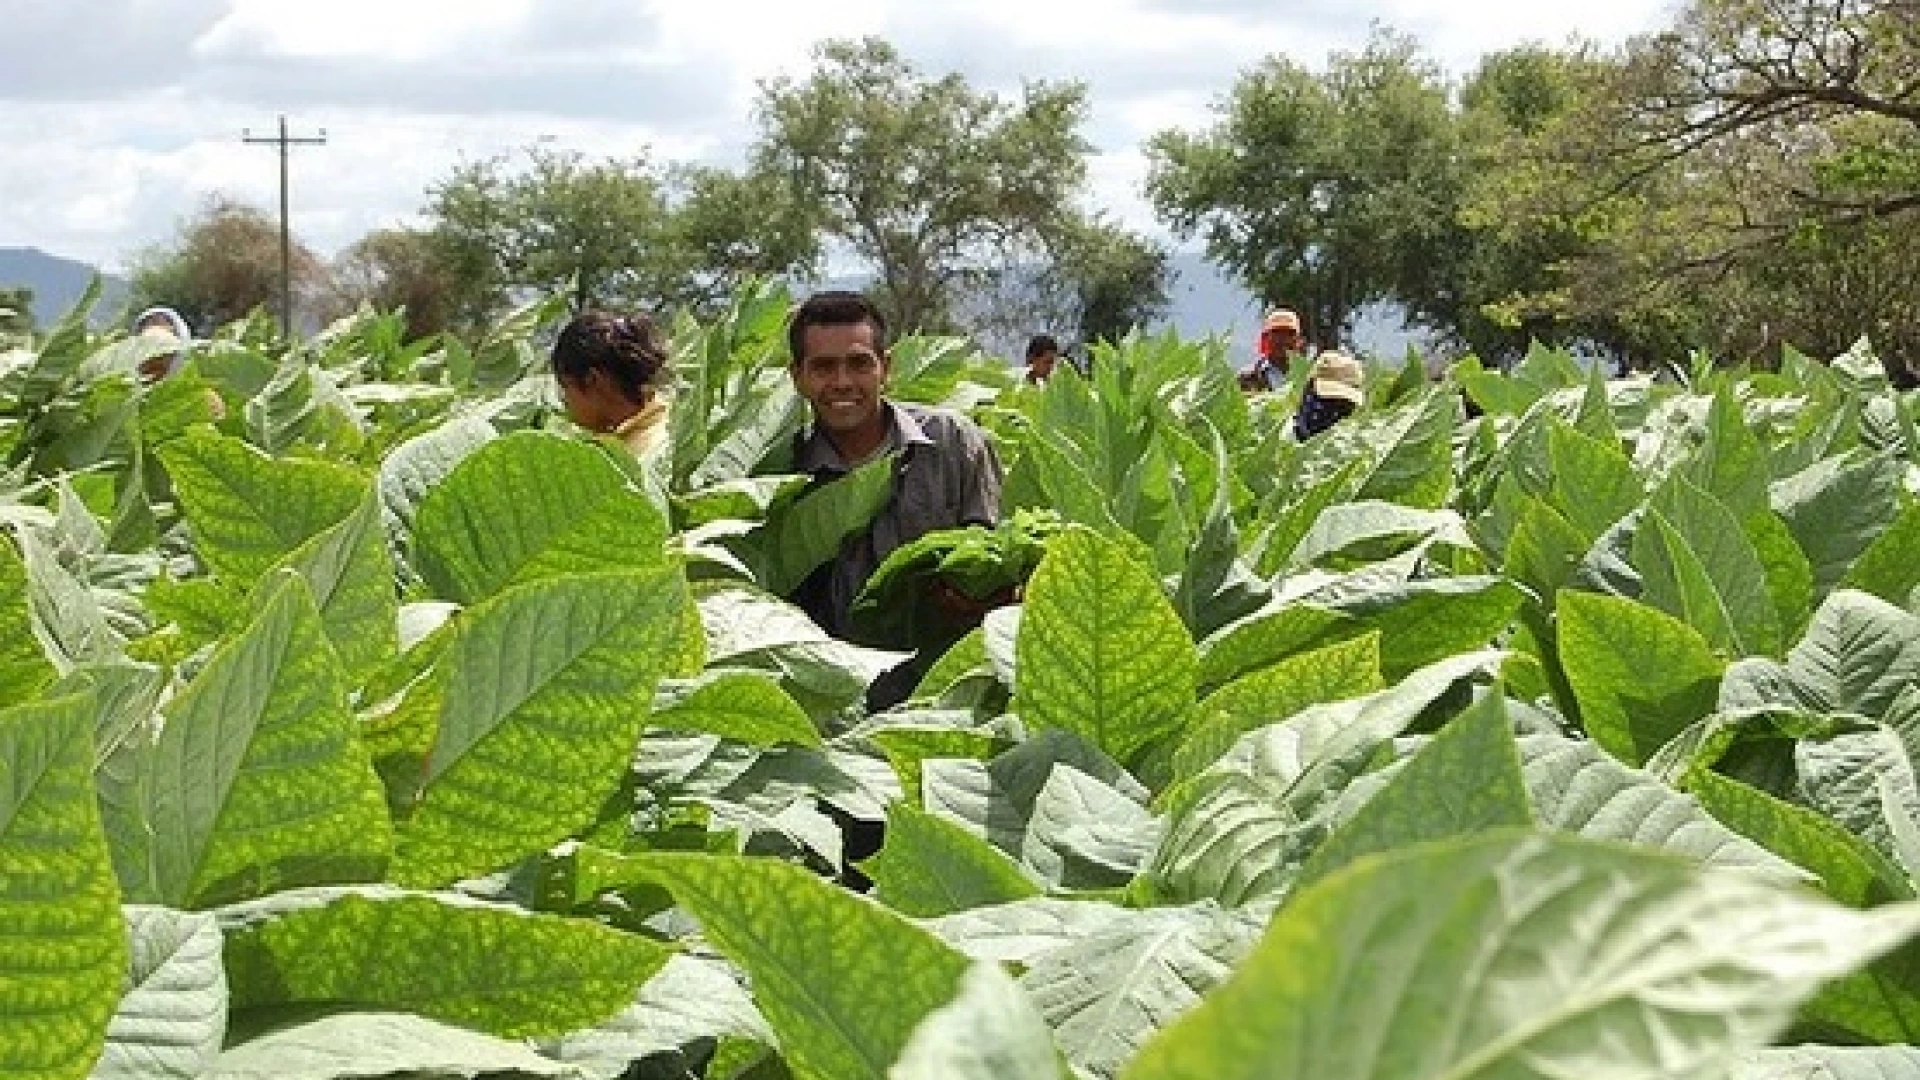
(611, 369)
(165, 326)
(1336, 386)
(1043, 352)
(945, 473)
(1279, 341)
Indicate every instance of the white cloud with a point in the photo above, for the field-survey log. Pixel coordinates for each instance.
(121, 116)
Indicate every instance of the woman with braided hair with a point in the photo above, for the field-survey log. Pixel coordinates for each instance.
(611, 370)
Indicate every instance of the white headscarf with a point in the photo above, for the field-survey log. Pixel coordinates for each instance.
(178, 327)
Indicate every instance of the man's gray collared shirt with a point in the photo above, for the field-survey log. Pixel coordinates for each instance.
(946, 476)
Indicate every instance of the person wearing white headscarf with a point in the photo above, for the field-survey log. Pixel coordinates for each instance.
(163, 324)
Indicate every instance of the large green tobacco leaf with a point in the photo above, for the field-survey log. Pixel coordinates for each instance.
(24, 669)
(692, 998)
(1342, 670)
(1838, 507)
(1240, 830)
(1520, 956)
(417, 466)
(1545, 550)
(63, 946)
(532, 505)
(1640, 676)
(745, 706)
(1576, 787)
(1087, 833)
(1697, 564)
(1850, 870)
(801, 535)
(1281, 531)
(67, 616)
(1416, 467)
(547, 688)
(1108, 992)
(843, 981)
(349, 570)
(1789, 575)
(498, 969)
(1266, 637)
(1466, 780)
(1880, 1003)
(1830, 1063)
(1101, 652)
(1594, 484)
(1033, 802)
(1890, 567)
(1732, 463)
(1023, 931)
(173, 1017)
(367, 1045)
(1857, 656)
(746, 628)
(931, 866)
(989, 1031)
(257, 780)
(247, 510)
(1422, 622)
(1374, 530)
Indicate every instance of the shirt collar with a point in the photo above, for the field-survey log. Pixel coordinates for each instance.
(817, 452)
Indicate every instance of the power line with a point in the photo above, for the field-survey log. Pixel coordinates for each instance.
(285, 141)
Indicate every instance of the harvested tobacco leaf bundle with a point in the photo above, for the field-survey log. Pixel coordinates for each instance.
(897, 608)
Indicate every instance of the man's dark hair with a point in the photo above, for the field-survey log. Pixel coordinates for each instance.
(629, 348)
(835, 307)
(1041, 345)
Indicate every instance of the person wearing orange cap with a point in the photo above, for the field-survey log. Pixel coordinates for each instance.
(1279, 340)
(1336, 387)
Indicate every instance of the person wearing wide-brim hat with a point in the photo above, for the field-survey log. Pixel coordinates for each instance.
(1336, 387)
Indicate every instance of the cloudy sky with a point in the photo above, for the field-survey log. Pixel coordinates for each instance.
(119, 116)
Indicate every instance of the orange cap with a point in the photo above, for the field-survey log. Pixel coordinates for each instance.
(1280, 319)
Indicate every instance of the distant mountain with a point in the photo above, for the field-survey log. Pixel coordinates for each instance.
(1204, 301)
(57, 284)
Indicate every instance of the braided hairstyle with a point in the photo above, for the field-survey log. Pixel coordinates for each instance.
(630, 349)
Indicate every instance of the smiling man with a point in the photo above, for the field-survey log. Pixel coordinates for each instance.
(945, 474)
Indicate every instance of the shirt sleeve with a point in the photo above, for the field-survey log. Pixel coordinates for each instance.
(979, 477)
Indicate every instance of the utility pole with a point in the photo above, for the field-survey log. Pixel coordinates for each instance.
(285, 141)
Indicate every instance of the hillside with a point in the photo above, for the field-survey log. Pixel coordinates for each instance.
(1205, 300)
(57, 284)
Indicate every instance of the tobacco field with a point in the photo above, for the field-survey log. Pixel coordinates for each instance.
(360, 717)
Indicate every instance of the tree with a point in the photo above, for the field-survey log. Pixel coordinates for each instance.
(932, 184)
(1323, 192)
(395, 268)
(1747, 179)
(223, 263)
(594, 230)
(609, 233)
(1119, 280)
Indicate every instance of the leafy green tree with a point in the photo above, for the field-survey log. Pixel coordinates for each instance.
(932, 184)
(223, 263)
(612, 232)
(594, 230)
(729, 228)
(1325, 192)
(1747, 179)
(395, 268)
(1119, 280)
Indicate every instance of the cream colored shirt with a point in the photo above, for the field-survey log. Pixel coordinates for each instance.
(645, 432)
